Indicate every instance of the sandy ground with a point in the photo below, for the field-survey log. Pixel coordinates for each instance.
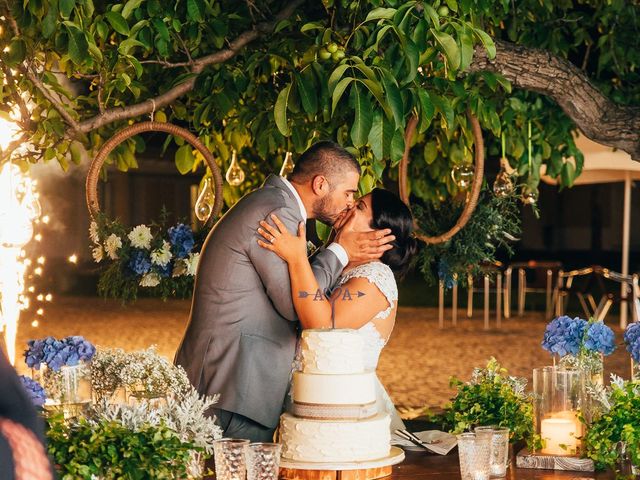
(415, 366)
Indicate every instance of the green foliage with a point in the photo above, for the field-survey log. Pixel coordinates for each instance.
(492, 398)
(620, 422)
(494, 224)
(107, 449)
(349, 70)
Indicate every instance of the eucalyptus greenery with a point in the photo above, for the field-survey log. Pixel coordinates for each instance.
(263, 77)
(492, 398)
(495, 224)
(617, 425)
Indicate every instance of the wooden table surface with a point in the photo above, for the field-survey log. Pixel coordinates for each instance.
(425, 466)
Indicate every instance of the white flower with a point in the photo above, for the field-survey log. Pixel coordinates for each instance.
(111, 246)
(192, 263)
(141, 237)
(93, 233)
(98, 254)
(162, 256)
(150, 280)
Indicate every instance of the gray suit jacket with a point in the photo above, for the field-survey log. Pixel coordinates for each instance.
(241, 337)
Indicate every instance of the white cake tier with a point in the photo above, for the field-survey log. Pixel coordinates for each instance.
(348, 389)
(332, 352)
(307, 440)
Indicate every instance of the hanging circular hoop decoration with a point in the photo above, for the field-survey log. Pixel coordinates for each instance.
(472, 198)
(96, 165)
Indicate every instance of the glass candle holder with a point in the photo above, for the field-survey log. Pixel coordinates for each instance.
(474, 453)
(559, 396)
(229, 458)
(263, 461)
(499, 438)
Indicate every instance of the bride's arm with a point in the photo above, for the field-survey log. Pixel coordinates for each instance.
(314, 310)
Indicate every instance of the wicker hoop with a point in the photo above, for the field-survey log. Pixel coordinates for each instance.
(472, 198)
(96, 165)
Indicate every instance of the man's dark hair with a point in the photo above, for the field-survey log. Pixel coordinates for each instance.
(323, 158)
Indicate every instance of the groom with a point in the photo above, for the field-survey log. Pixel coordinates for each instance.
(241, 337)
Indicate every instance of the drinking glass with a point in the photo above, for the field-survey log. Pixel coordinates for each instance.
(475, 455)
(499, 449)
(263, 461)
(229, 458)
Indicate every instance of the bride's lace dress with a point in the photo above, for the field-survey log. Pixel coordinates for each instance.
(382, 277)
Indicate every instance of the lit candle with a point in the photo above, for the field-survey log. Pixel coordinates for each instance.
(559, 435)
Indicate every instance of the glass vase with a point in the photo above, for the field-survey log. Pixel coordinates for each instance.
(591, 364)
(67, 389)
(559, 396)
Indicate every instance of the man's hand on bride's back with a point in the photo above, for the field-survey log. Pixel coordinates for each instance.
(362, 246)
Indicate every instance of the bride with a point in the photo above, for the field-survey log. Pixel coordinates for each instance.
(372, 315)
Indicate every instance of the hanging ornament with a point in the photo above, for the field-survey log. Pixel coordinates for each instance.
(462, 175)
(205, 202)
(287, 165)
(235, 174)
(503, 186)
(529, 195)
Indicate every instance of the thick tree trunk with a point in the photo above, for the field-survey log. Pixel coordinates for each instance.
(540, 71)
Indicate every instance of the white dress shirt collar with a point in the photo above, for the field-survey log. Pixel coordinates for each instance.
(303, 211)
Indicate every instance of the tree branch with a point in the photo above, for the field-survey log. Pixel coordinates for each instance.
(57, 104)
(540, 71)
(166, 98)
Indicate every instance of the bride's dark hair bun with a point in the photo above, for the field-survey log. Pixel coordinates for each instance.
(389, 211)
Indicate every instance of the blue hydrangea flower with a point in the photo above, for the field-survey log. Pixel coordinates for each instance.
(632, 340)
(58, 353)
(165, 271)
(564, 335)
(600, 338)
(181, 239)
(139, 262)
(34, 390)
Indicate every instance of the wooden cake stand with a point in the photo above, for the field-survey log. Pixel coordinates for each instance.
(292, 470)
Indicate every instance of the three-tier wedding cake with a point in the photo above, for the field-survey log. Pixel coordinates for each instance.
(334, 416)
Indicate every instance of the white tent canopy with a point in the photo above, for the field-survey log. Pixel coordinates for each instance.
(605, 165)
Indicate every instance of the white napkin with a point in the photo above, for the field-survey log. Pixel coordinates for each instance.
(439, 442)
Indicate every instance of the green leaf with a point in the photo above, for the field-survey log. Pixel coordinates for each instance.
(126, 45)
(363, 116)
(336, 75)
(380, 13)
(312, 26)
(280, 111)
(427, 110)
(432, 15)
(161, 28)
(397, 147)
(50, 21)
(394, 98)
(195, 10)
(117, 22)
(338, 91)
(568, 174)
(380, 135)
(448, 46)
(130, 6)
(487, 42)
(413, 56)
(185, 159)
(66, 7)
(430, 152)
(137, 66)
(78, 45)
(306, 88)
(17, 52)
(443, 105)
(466, 48)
